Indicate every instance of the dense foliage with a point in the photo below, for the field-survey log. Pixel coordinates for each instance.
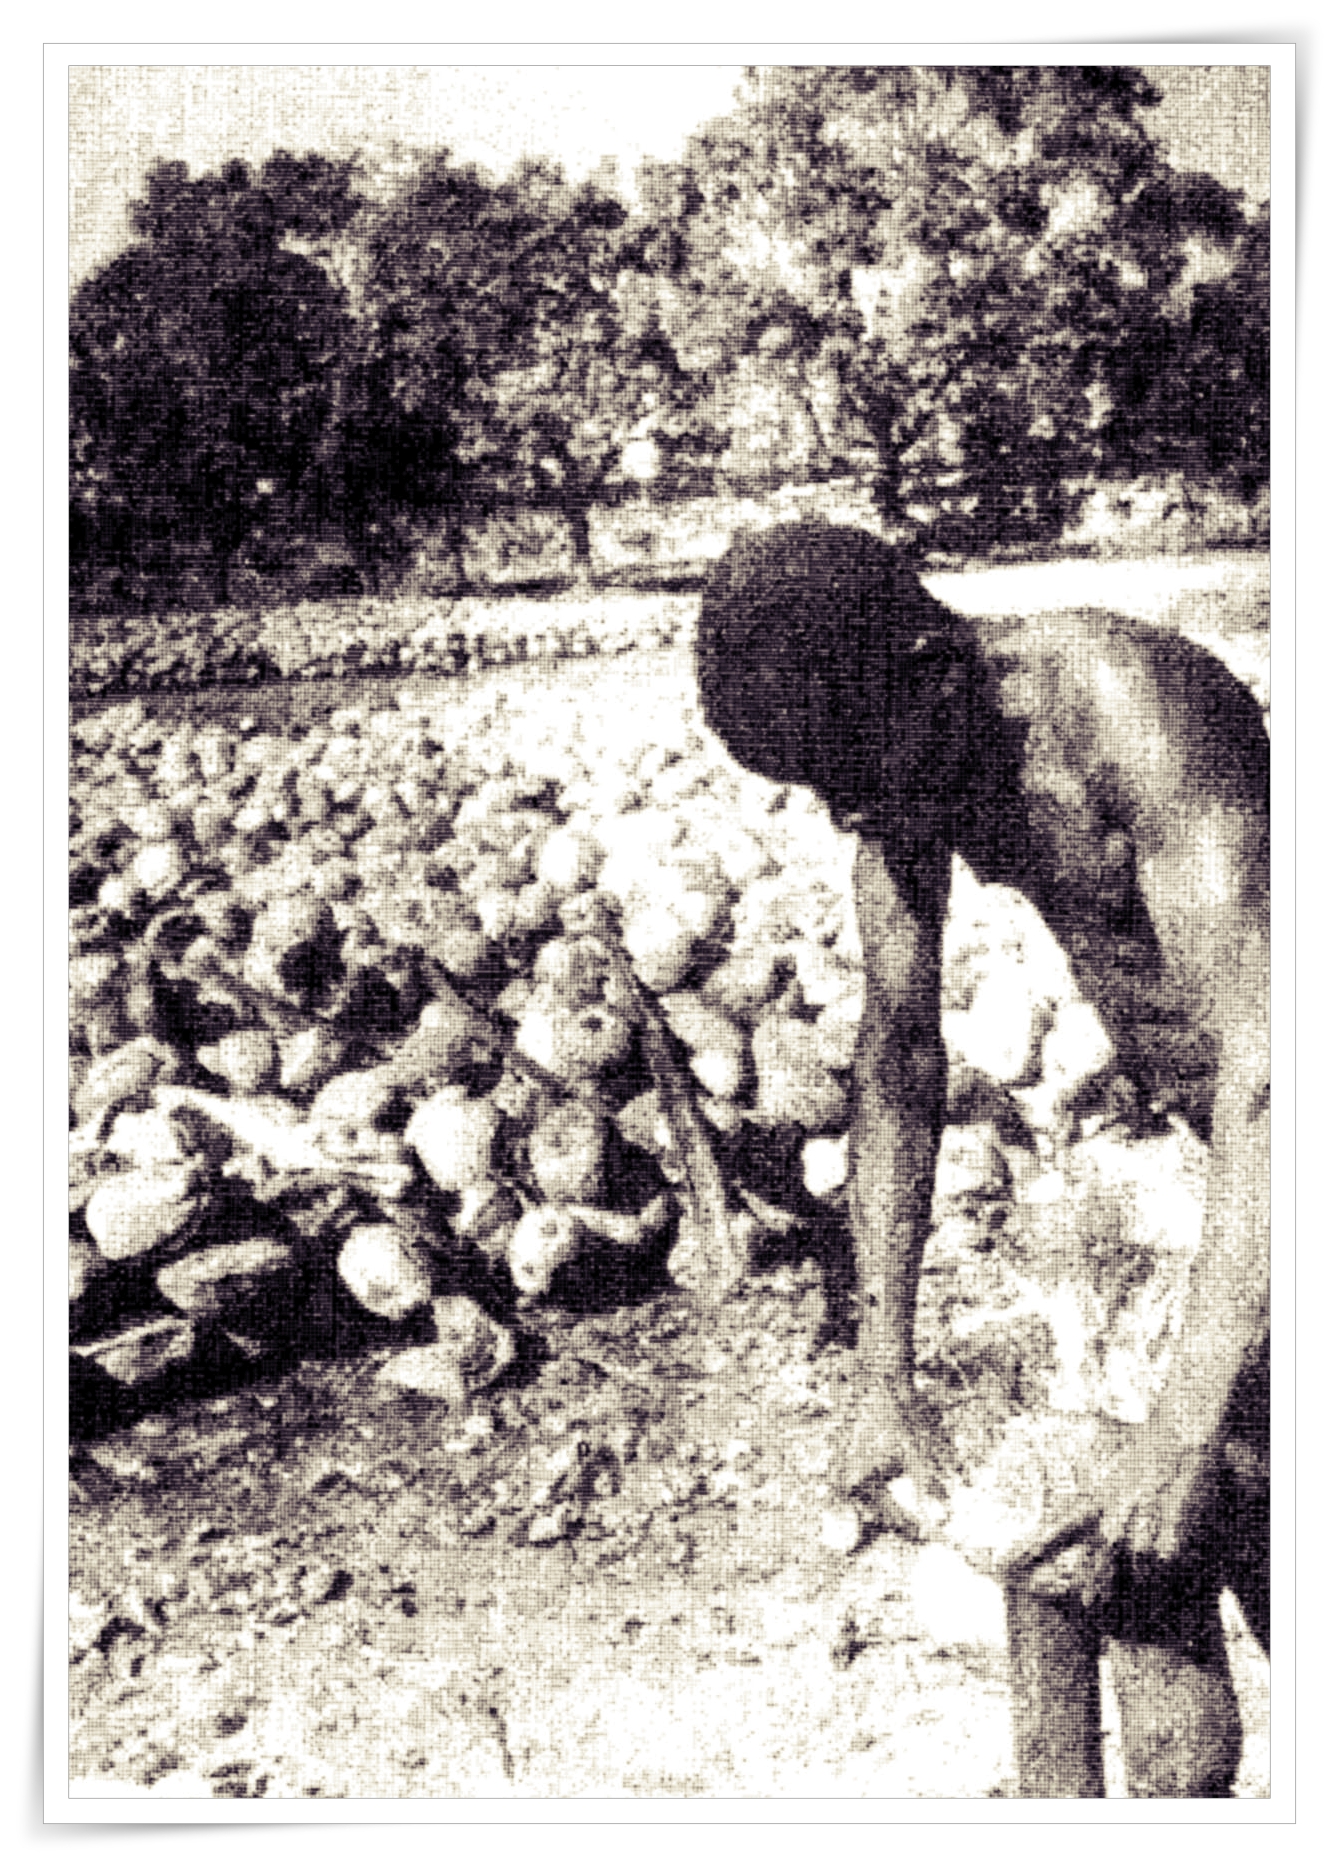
(985, 285)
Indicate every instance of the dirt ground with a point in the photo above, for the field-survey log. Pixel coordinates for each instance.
(318, 1587)
(607, 1581)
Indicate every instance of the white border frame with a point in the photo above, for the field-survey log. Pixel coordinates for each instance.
(836, 1811)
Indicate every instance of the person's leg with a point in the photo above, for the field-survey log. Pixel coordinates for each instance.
(1053, 1650)
(1243, 1532)
(1180, 1728)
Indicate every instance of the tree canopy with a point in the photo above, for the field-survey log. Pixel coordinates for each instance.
(985, 285)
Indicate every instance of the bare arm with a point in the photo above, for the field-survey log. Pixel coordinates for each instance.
(1208, 896)
(900, 1076)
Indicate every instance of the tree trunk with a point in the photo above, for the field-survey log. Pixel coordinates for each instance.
(455, 549)
(576, 514)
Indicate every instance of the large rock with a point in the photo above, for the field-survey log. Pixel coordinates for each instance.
(242, 1283)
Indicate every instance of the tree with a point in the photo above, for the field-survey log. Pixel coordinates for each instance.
(1190, 389)
(414, 438)
(592, 367)
(955, 254)
(203, 360)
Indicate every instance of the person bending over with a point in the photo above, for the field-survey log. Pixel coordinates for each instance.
(1118, 777)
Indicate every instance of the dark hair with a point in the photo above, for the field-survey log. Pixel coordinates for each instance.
(812, 645)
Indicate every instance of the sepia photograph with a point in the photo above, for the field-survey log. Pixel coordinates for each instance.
(668, 945)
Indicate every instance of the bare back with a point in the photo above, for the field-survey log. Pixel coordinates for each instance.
(1120, 781)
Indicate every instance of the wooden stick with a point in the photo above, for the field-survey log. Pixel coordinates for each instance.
(695, 1155)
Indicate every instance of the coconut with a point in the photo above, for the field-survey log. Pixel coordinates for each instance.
(459, 947)
(483, 1349)
(497, 908)
(385, 1271)
(574, 969)
(643, 1124)
(485, 1209)
(119, 894)
(245, 1059)
(452, 1134)
(747, 981)
(134, 1213)
(159, 867)
(143, 1353)
(238, 1281)
(123, 1078)
(1000, 1033)
(794, 1085)
(567, 1154)
(824, 1161)
(568, 859)
(153, 1139)
(660, 947)
(309, 1058)
(545, 1239)
(572, 1043)
(356, 1100)
(92, 983)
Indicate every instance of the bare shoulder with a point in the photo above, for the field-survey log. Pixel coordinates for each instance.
(1141, 713)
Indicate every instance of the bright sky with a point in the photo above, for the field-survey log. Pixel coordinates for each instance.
(122, 117)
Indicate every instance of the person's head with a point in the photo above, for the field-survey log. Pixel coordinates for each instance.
(822, 661)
